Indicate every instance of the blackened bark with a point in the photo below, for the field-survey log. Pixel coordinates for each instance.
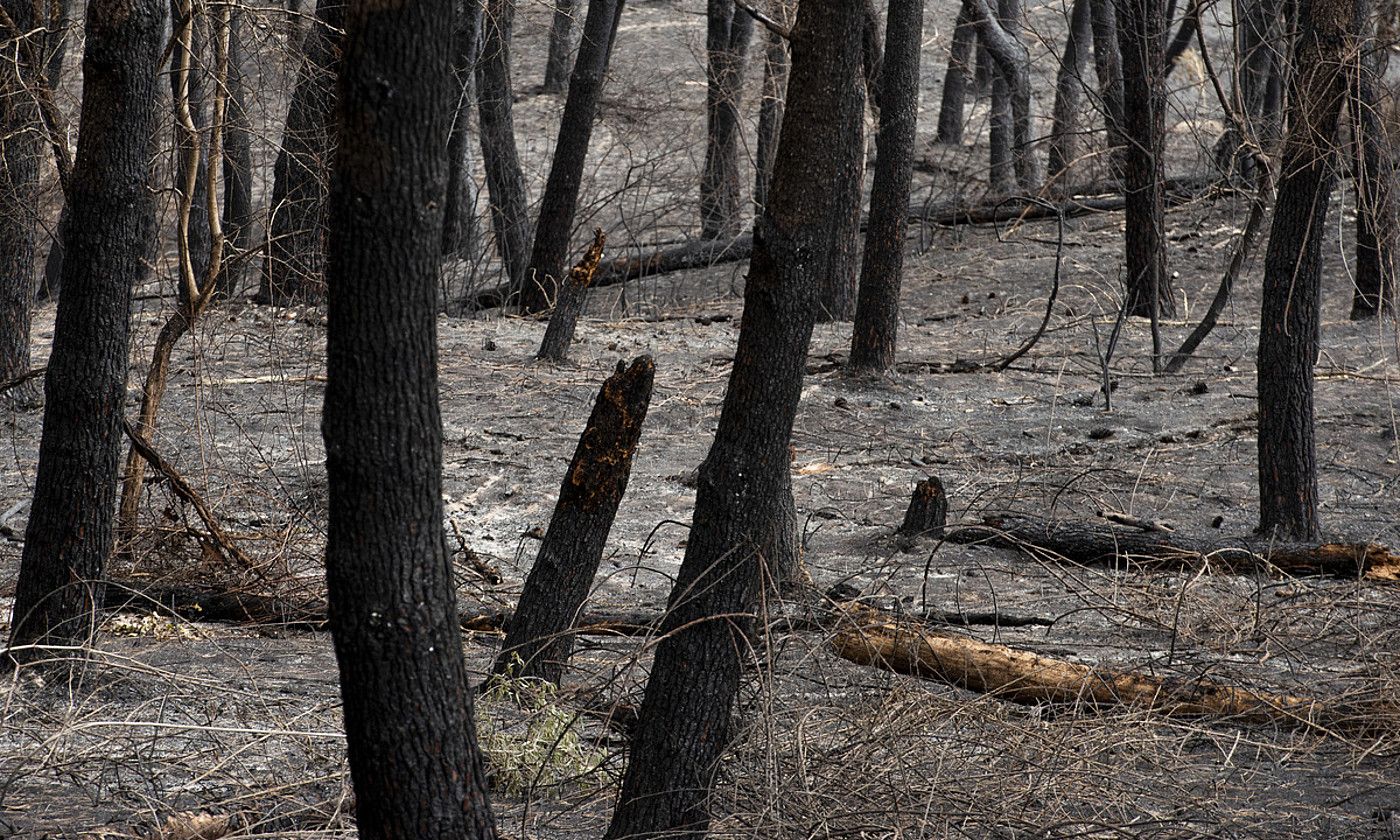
(561, 47)
(928, 509)
(538, 639)
(408, 710)
(684, 724)
(505, 181)
(1260, 47)
(836, 299)
(238, 213)
(294, 268)
(1290, 320)
(459, 225)
(19, 185)
(560, 332)
(187, 86)
(727, 39)
(1377, 228)
(1141, 36)
(560, 199)
(108, 242)
(1185, 35)
(1069, 87)
(882, 264)
(998, 32)
(1108, 66)
(770, 116)
(957, 78)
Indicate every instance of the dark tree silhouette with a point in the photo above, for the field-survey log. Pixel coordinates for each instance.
(685, 717)
(108, 242)
(1069, 89)
(19, 183)
(770, 115)
(727, 37)
(238, 213)
(1377, 228)
(997, 31)
(189, 60)
(561, 47)
(459, 226)
(882, 263)
(958, 76)
(1290, 320)
(1108, 66)
(408, 710)
(505, 181)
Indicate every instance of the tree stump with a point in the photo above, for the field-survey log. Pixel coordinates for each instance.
(928, 510)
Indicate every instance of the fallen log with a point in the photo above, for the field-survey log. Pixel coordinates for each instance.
(869, 637)
(1093, 544)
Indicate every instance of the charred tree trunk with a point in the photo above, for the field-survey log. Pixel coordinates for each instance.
(187, 84)
(1108, 66)
(684, 724)
(958, 77)
(19, 195)
(1377, 228)
(538, 642)
(998, 33)
(459, 226)
(1141, 35)
(770, 116)
(726, 46)
(294, 268)
(505, 181)
(1290, 322)
(561, 47)
(408, 710)
(1069, 86)
(882, 264)
(560, 332)
(1259, 66)
(1185, 35)
(108, 242)
(560, 199)
(238, 212)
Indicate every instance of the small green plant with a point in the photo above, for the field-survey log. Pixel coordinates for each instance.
(531, 741)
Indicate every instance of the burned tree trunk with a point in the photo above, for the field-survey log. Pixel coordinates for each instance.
(726, 46)
(560, 332)
(561, 47)
(928, 509)
(294, 267)
(1141, 34)
(1290, 318)
(1373, 167)
(19, 194)
(770, 115)
(882, 264)
(538, 639)
(505, 181)
(238, 211)
(1108, 66)
(409, 728)
(958, 76)
(459, 225)
(685, 717)
(998, 33)
(560, 199)
(188, 58)
(1069, 87)
(108, 243)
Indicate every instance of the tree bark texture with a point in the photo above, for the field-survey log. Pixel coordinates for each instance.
(294, 268)
(108, 243)
(1069, 87)
(459, 225)
(560, 200)
(1108, 66)
(1141, 39)
(685, 717)
(408, 710)
(998, 33)
(19, 194)
(1377, 228)
(561, 47)
(1290, 317)
(238, 210)
(958, 76)
(505, 181)
(539, 638)
(727, 37)
(559, 335)
(882, 263)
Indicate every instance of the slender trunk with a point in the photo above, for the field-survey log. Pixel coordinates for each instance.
(955, 81)
(726, 46)
(188, 60)
(1108, 66)
(1141, 38)
(1290, 319)
(882, 265)
(109, 241)
(294, 268)
(561, 47)
(409, 728)
(770, 116)
(1069, 86)
(999, 32)
(19, 208)
(1377, 228)
(1185, 36)
(459, 226)
(560, 199)
(505, 181)
(238, 164)
(684, 725)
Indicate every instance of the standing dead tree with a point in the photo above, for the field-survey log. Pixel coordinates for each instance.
(19, 192)
(561, 47)
(1373, 168)
(998, 34)
(727, 35)
(505, 181)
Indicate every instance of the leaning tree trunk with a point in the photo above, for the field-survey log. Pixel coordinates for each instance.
(19, 207)
(997, 32)
(409, 727)
(1377, 233)
(294, 267)
(459, 227)
(1141, 39)
(958, 77)
(561, 47)
(882, 264)
(1108, 66)
(1069, 87)
(1290, 321)
(726, 47)
(505, 181)
(108, 243)
(560, 199)
(685, 719)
